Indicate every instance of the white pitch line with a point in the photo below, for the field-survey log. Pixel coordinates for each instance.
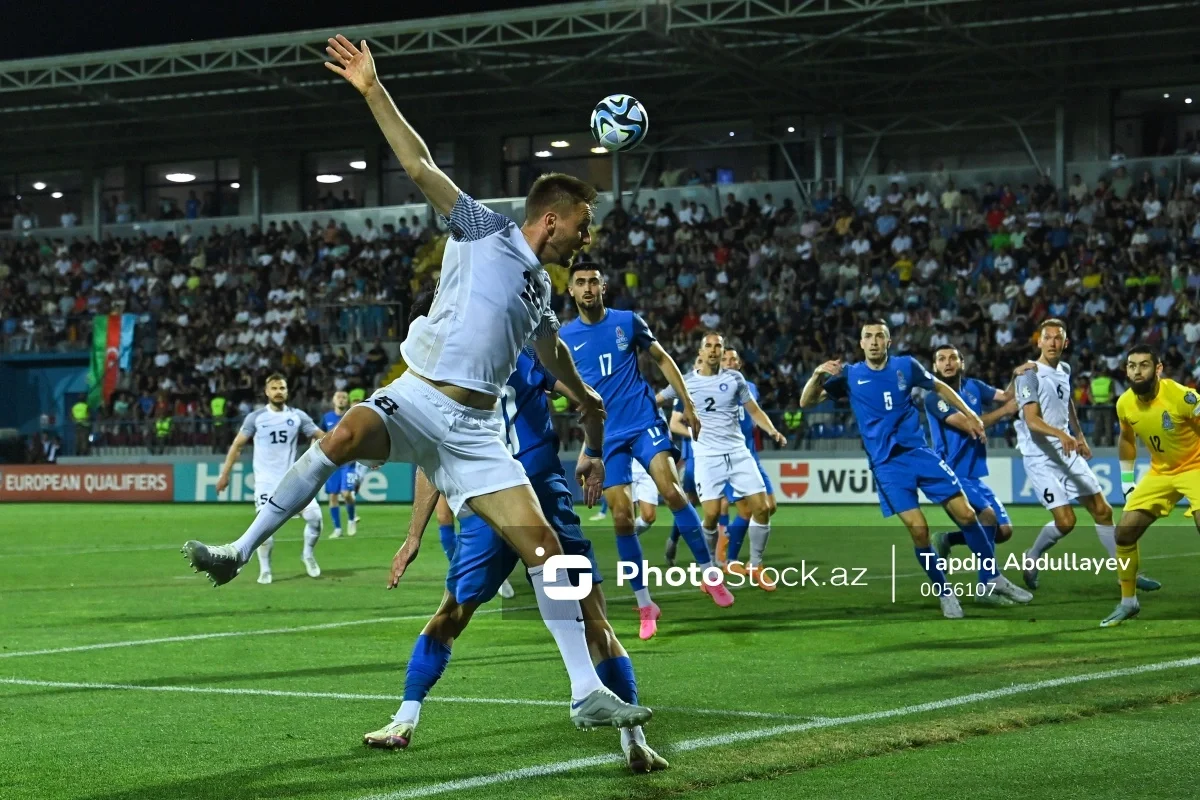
(264, 632)
(778, 730)
(224, 690)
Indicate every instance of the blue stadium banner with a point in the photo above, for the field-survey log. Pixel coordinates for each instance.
(196, 482)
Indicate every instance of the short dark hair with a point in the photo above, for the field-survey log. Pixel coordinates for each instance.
(1144, 349)
(274, 376)
(1053, 322)
(871, 322)
(942, 347)
(557, 191)
(584, 266)
(420, 306)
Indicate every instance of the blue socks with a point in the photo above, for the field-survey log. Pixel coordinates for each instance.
(629, 548)
(617, 676)
(981, 545)
(736, 533)
(927, 558)
(425, 666)
(336, 513)
(603, 505)
(350, 511)
(449, 540)
(675, 532)
(688, 522)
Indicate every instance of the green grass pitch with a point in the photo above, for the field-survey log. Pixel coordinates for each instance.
(821, 691)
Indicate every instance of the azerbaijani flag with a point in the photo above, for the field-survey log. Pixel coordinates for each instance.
(112, 350)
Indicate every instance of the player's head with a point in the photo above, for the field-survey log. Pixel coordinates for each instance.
(947, 363)
(340, 401)
(276, 390)
(558, 213)
(712, 347)
(1143, 369)
(730, 359)
(587, 287)
(875, 339)
(1052, 338)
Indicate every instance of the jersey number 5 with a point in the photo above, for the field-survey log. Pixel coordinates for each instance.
(887, 400)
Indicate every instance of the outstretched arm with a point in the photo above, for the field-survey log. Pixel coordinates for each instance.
(556, 358)
(763, 421)
(670, 371)
(1032, 414)
(947, 393)
(425, 497)
(814, 390)
(231, 456)
(357, 66)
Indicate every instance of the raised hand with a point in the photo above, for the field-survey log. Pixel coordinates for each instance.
(355, 64)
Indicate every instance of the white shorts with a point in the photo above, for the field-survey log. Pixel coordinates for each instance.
(1057, 482)
(739, 470)
(460, 449)
(264, 488)
(644, 488)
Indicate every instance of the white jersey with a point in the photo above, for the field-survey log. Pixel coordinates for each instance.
(494, 295)
(276, 436)
(1050, 388)
(718, 400)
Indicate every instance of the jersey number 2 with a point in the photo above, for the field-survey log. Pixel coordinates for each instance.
(710, 404)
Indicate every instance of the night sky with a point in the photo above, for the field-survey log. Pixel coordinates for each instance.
(56, 27)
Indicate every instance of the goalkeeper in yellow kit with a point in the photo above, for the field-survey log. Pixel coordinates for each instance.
(1166, 417)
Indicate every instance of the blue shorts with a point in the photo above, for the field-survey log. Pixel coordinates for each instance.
(483, 560)
(897, 481)
(766, 482)
(339, 481)
(689, 476)
(980, 496)
(643, 444)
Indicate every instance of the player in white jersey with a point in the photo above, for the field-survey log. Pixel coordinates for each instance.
(645, 497)
(1055, 452)
(721, 456)
(441, 414)
(276, 430)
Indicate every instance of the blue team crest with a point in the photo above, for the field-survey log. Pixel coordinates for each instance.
(724, 387)
(622, 340)
(291, 422)
(1167, 423)
(970, 398)
(901, 383)
(1190, 398)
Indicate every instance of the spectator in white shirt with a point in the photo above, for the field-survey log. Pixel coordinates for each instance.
(902, 243)
(637, 236)
(1004, 263)
(1095, 305)
(924, 197)
(1004, 336)
(68, 219)
(1151, 207)
(1033, 284)
(999, 310)
(872, 202)
(861, 245)
(1164, 302)
(370, 232)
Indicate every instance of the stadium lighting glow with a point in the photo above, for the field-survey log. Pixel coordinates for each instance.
(56, 195)
(1166, 95)
(180, 177)
(358, 165)
(791, 129)
(39, 186)
(235, 185)
(598, 150)
(560, 143)
(329, 179)
(542, 154)
(731, 133)
(1187, 100)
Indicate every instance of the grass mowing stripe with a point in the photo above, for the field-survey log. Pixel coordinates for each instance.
(716, 712)
(323, 626)
(779, 730)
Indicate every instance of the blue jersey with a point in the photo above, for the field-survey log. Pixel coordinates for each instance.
(330, 420)
(606, 356)
(888, 419)
(528, 425)
(966, 456)
(747, 423)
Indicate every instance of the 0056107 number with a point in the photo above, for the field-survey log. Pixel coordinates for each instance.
(957, 589)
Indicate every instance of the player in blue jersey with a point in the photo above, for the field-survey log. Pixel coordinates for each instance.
(340, 485)
(730, 542)
(966, 455)
(685, 465)
(482, 560)
(879, 389)
(605, 343)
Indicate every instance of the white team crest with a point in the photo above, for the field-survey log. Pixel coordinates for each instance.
(291, 422)
(1025, 392)
(724, 387)
(901, 384)
(622, 340)
(943, 406)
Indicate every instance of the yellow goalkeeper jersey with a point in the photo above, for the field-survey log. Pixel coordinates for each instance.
(1169, 426)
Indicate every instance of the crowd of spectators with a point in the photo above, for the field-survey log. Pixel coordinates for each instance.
(978, 267)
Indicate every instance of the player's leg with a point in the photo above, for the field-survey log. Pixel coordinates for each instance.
(995, 588)
(333, 488)
(601, 511)
(1134, 523)
(629, 546)
(647, 516)
(312, 532)
(772, 506)
(1091, 496)
(659, 463)
(723, 517)
(721, 546)
(264, 552)
(688, 474)
(1045, 479)
(918, 529)
(738, 526)
(362, 435)
(446, 535)
(746, 481)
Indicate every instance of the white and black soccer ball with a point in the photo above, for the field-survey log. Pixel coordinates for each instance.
(619, 122)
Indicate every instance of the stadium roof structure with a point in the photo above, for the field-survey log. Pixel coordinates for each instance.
(874, 65)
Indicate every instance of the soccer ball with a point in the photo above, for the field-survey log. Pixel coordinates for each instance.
(619, 122)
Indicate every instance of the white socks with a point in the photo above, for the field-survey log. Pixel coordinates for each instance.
(1046, 538)
(1108, 538)
(640, 526)
(264, 555)
(564, 619)
(410, 712)
(710, 538)
(312, 530)
(642, 596)
(630, 736)
(758, 536)
(295, 490)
